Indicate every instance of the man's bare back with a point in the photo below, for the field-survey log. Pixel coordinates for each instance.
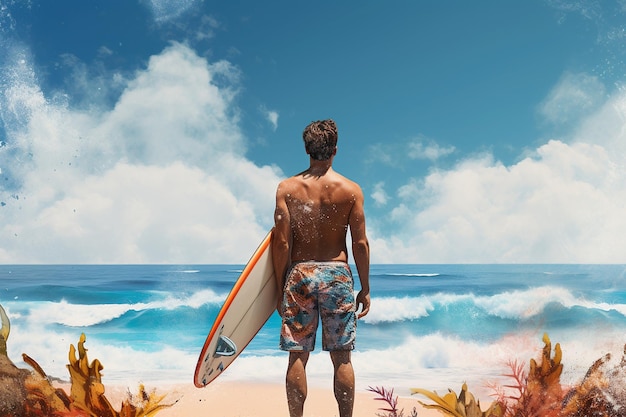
(314, 210)
(319, 207)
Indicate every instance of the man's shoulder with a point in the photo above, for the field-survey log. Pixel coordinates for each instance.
(288, 185)
(294, 179)
(347, 182)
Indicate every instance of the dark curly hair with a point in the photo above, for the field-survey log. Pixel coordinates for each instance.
(320, 139)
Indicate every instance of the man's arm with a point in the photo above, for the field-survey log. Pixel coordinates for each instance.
(361, 252)
(281, 242)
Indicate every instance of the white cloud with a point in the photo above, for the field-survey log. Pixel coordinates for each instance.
(574, 96)
(271, 116)
(381, 153)
(379, 195)
(422, 148)
(591, 10)
(159, 178)
(166, 10)
(565, 203)
(206, 29)
(400, 155)
(141, 214)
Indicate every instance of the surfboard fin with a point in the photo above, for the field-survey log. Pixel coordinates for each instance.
(225, 347)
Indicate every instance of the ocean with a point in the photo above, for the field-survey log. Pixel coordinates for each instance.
(430, 326)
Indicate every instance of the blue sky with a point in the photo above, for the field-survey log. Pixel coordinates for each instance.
(156, 131)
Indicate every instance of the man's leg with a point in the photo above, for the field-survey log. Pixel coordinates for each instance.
(343, 381)
(296, 382)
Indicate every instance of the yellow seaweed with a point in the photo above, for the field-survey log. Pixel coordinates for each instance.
(4, 331)
(88, 391)
(465, 405)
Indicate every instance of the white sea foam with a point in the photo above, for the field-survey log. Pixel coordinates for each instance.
(438, 362)
(531, 302)
(84, 315)
(435, 361)
(80, 315)
(392, 309)
(519, 304)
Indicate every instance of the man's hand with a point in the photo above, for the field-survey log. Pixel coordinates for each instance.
(363, 300)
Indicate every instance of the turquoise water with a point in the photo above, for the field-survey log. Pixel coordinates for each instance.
(433, 326)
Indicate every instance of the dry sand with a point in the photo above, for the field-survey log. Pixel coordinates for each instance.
(240, 399)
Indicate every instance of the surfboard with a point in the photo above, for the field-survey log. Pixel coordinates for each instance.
(248, 306)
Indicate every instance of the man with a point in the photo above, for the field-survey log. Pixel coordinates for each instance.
(314, 210)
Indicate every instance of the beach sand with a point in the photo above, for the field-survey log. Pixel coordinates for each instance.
(241, 399)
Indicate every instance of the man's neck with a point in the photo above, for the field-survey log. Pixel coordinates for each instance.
(320, 168)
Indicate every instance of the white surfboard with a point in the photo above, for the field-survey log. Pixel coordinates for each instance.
(248, 306)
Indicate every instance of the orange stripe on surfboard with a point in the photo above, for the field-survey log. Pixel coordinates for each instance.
(233, 293)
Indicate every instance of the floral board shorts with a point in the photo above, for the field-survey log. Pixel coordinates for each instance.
(317, 291)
